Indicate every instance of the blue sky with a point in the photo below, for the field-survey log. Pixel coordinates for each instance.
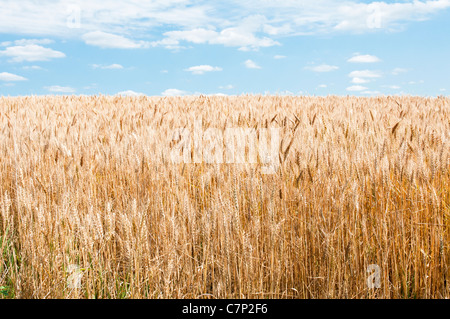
(183, 47)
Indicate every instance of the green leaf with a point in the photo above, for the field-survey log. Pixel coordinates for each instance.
(4, 290)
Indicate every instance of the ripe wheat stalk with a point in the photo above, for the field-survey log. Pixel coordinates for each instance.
(361, 181)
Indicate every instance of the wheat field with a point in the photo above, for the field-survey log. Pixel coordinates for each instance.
(92, 207)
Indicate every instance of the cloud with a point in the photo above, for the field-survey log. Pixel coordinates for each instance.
(368, 17)
(130, 93)
(322, 68)
(397, 71)
(9, 77)
(322, 86)
(371, 92)
(91, 86)
(359, 80)
(30, 53)
(226, 87)
(107, 67)
(112, 41)
(350, 16)
(246, 24)
(249, 64)
(416, 82)
(32, 67)
(394, 87)
(26, 42)
(60, 89)
(33, 41)
(356, 88)
(50, 17)
(197, 36)
(230, 37)
(278, 57)
(217, 94)
(281, 30)
(364, 59)
(285, 93)
(173, 92)
(230, 32)
(365, 74)
(201, 69)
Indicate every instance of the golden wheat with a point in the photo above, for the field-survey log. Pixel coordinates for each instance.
(88, 181)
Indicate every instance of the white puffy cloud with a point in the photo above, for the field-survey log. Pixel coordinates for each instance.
(279, 57)
(285, 93)
(362, 74)
(32, 67)
(173, 92)
(195, 35)
(283, 29)
(230, 37)
(112, 41)
(26, 42)
(60, 89)
(368, 92)
(114, 66)
(242, 34)
(398, 71)
(366, 58)
(201, 69)
(248, 25)
(322, 68)
(30, 53)
(9, 77)
(129, 93)
(226, 87)
(249, 64)
(55, 17)
(356, 88)
(236, 22)
(359, 80)
(349, 16)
